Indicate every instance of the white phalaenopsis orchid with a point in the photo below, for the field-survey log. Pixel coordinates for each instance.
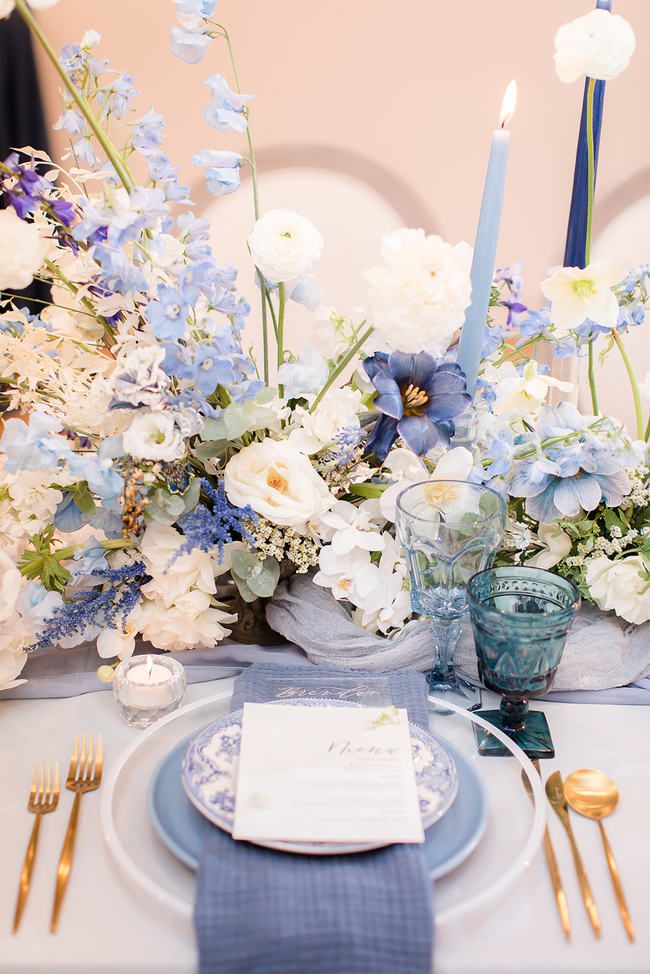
(348, 527)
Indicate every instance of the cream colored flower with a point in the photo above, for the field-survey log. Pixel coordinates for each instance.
(284, 246)
(456, 464)
(577, 294)
(621, 585)
(172, 575)
(190, 622)
(417, 298)
(556, 545)
(520, 395)
(278, 482)
(598, 45)
(338, 408)
(22, 251)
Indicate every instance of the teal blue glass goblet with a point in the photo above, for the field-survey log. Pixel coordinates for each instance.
(449, 530)
(521, 618)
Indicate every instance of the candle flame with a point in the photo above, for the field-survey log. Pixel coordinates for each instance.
(149, 668)
(508, 104)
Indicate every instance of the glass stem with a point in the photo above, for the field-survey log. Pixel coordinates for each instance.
(445, 633)
(513, 713)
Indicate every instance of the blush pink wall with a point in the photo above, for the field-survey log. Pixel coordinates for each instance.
(415, 86)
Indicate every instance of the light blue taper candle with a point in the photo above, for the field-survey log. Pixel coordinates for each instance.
(485, 247)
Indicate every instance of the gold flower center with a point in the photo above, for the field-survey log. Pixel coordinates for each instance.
(277, 481)
(415, 399)
(438, 493)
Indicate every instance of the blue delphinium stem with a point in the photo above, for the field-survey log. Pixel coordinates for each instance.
(256, 204)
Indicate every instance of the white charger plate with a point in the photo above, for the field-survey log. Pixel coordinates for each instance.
(514, 832)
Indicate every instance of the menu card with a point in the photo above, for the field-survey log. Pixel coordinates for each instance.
(326, 774)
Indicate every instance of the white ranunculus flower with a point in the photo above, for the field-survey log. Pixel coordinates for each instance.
(520, 395)
(578, 293)
(556, 545)
(337, 409)
(598, 45)
(417, 298)
(279, 482)
(284, 246)
(153, 436)
(22, 251)
(620, 585)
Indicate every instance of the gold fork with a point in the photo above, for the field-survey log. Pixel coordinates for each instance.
(84, 774)
(43, 798)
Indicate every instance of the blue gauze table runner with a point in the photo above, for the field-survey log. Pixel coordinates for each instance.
(264, 912)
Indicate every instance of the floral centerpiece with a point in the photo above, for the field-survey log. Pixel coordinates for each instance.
(145, 454)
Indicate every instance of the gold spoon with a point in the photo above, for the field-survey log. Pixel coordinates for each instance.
(592, 794)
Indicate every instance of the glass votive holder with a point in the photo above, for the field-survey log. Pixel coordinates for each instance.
(147, 688)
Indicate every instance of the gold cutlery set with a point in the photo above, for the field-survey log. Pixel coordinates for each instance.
(84, 774)
(593, 795)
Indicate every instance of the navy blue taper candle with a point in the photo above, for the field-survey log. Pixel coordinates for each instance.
(576, 237)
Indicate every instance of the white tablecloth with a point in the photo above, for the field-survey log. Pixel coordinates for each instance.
(106, 929)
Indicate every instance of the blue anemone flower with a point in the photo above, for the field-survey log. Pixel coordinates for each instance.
(418, 398)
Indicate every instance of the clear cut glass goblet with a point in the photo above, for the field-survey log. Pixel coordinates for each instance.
(449, 530)
(521, 618)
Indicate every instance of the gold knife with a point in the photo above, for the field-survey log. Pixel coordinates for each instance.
(555, 795)
(551, 862)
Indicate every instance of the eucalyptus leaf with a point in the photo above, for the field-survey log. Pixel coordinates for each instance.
(244, 562)
(245, 592)
(264, 581)
(165, 508)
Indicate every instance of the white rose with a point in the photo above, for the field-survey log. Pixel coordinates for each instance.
(279, 482)
(337, 409)
(619, 585)
(11, 582)
(417, 299)
(284, 246)
(22, 251)
(154, 436)
(598, 45)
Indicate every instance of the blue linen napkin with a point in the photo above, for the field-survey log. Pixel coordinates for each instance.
(259, 911)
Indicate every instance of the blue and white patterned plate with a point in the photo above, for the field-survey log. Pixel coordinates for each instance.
(209, 773)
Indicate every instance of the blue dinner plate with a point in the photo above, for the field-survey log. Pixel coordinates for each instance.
(183, 830)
